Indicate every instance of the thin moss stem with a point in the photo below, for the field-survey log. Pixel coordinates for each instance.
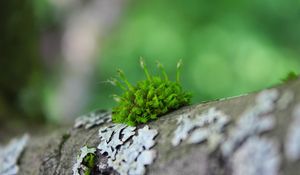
(115, 82)
(144, 67)
(124, 79)
(178, 71)
(116, 98)
(162, 69)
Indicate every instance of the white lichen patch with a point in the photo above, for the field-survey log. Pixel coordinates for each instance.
(257, 156)
(232, 97)
(93, 119)
(254, 121)
(10, 154)
(265, 100)
(185, 124)
(285, 100)
(205, 127)
(128, 153)
(112, 137)
(78, 166)
(292, 143)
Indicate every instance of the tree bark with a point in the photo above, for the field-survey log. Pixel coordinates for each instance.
(261, 136)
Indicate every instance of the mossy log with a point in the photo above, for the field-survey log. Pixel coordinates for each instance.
(253, 134)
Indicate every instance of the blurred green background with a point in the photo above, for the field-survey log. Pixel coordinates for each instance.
(55, 55)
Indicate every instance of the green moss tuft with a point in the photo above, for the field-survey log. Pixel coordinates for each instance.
(149, 99)
(89, 161)
(290, 76)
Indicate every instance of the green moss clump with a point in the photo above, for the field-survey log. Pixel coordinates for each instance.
(89, 161)
(149, 99)
(290, 76)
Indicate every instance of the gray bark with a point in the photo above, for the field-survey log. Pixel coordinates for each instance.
(270, 148)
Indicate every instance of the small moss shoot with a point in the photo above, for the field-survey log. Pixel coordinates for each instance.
(290, 76)
(65, 136)
(89, 161)
(148, 99)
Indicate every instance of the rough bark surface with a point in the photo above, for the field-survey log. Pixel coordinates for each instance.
(55, 153)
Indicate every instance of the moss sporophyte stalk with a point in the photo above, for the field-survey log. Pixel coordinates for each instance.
(149, 98)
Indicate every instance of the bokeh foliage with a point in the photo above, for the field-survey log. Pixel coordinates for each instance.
(21, 69)
(228, 47)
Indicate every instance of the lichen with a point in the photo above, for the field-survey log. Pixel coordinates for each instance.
(206, 126)
(257, 156)
(185, 124)
(93, 119)
(232, 97)
(149, 99)
(128, 153)
(253, 121)
(10, 154)
(112, 137)
(265, 101)
(292, 143)
(84, 161)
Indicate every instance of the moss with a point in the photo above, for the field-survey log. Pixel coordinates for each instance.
(89, 161)
(148, 99)
(65, 136)
(86, 161)
(290, 76)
